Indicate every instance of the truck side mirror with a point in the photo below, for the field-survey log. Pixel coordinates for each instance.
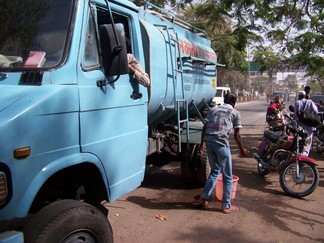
(114, 55)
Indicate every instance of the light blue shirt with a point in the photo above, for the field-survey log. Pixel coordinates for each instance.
(221, 120)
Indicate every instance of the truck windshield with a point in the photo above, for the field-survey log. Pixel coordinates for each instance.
(33, 33)
(219, 93)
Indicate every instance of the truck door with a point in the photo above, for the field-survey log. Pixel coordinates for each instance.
(113, 118)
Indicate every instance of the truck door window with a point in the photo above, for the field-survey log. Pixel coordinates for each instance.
(97, 17)
(102, 18)
(91, 55)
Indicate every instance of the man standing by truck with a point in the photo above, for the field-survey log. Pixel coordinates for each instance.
(221, 120)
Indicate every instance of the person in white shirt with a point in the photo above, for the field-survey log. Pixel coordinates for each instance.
(304, 104)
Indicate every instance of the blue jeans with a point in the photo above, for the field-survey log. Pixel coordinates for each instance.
(220, 161)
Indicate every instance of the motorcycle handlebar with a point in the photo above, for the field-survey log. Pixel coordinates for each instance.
(289, 117)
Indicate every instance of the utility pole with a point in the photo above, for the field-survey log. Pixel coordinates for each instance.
(249, 69)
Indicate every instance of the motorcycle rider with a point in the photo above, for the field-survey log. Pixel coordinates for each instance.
(308, 105)
(273, 113)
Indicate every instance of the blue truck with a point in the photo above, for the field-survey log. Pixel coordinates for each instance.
(76, 127)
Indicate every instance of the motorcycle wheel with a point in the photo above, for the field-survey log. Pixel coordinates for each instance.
(300, 186)
(320, 147)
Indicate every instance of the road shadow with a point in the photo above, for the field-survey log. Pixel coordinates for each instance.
(261, 196)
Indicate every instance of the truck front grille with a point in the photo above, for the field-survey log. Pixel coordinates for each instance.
(3, 187)
(34, 78)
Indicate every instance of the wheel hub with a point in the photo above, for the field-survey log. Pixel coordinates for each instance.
(298, 179)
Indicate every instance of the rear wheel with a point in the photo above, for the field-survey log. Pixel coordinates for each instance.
(195, 166)
(299, 185)
(68, 221)
(202, 166)
(187, 167)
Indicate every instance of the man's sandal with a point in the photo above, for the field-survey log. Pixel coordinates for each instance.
(203, 202)
(232, 209)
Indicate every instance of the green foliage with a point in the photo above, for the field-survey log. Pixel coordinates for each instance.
(291, 81)
(161, 3)
(266, 58)
(293, 31)
(230, 43)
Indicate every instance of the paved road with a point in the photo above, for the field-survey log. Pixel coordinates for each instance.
(266, 213)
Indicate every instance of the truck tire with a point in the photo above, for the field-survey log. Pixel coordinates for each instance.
(187, 167)
(68, 221)
(195, 166)
(202, 166)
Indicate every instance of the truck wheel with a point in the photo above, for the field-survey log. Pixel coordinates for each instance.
(202, 166)
(187, 169)
(68, 221)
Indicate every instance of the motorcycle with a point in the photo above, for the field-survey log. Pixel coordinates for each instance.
(318, 136)
(279, 151)
(278, 121)
(275, 122)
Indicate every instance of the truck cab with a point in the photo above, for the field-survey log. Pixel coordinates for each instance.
(76, 127)
(66, 101)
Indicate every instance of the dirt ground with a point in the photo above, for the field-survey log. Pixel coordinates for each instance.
(163, 209)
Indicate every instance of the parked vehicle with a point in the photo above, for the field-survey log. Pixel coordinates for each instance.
(219, 96)
(278, 151)
(243, 93)
(317, 98)
(292, 96)
(275, 118)
(76, 127)
(281, 94)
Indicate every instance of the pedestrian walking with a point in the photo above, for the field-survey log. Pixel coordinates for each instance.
(304, 104)
(307, 90)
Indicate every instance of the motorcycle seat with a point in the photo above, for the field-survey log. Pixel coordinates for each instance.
(272, 136)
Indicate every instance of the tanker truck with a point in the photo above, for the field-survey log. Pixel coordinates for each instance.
(76, 127)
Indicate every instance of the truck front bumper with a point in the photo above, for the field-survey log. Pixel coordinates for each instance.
(11, 237)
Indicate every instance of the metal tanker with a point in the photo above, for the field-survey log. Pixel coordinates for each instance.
(77, 129)
(181, 63)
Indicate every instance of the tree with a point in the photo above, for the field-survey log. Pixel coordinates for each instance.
(292, 29)
(173, 3)
(298, 30)
(291, 81)
(269, 61)
(259, 83)
(228, 42)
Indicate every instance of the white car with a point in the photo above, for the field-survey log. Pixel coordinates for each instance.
(219, 96)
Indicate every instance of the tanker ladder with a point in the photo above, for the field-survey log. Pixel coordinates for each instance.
(172, 41)
(175, 71)
(177, 67)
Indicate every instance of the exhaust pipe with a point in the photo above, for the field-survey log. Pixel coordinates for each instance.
(260, 160)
